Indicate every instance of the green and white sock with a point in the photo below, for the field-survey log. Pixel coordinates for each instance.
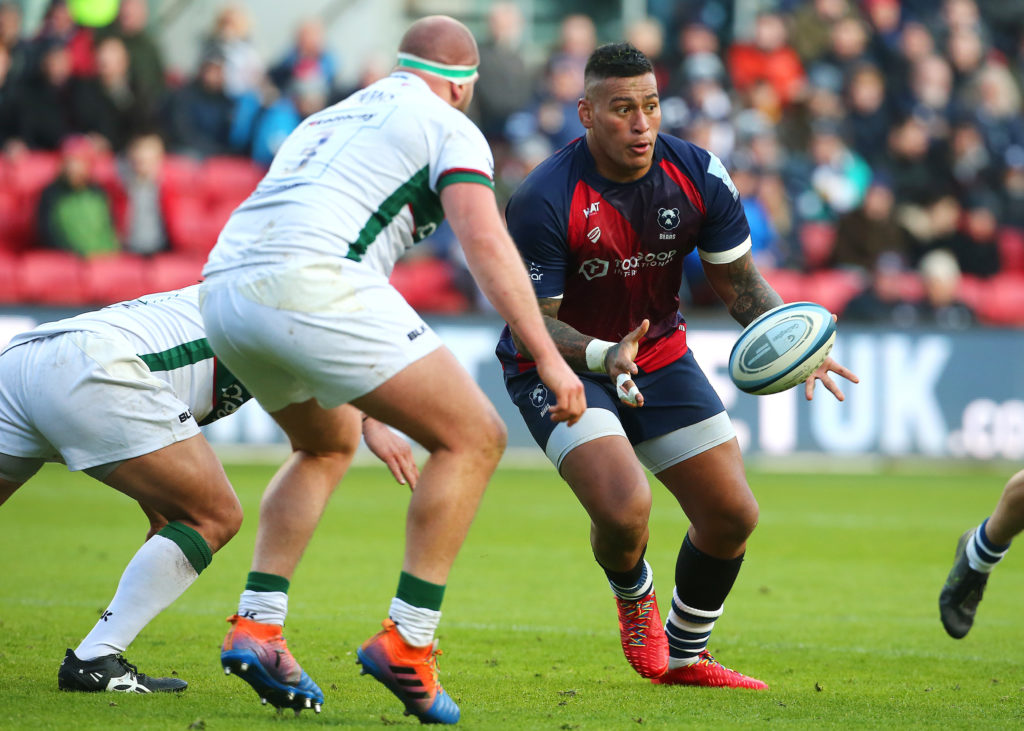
(265, 598)
(158, 573)
(416, 609)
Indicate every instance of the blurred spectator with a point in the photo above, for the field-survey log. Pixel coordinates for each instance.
(813, 23)
(868, 120)
(972, 165)
(849, 48)
(59, 27)
(140, 178)
(932, 226)
(146, 65)
(42, 105)
(7, 98)
(273, 123)
(839, 176)
(764, 240)
(966, 51)
(554, 116)
(506, 85)
(11, 38)
(74, 214)
(886, 19)
(942, 306)
(243, 67)
(870, 231)
(648, 36)
(1013, 189)
(199, 115)
(931, 93)
(577, 39)
(883, 302)
(996, 101)
(767, 58)
(108, 104)
(918, 167)
(308, 58)
(975, 245)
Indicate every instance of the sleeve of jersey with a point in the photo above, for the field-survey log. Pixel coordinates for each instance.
(464, 157)
(725, 235)
(534, 225)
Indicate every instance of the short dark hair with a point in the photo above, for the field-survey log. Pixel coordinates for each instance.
(620, 60)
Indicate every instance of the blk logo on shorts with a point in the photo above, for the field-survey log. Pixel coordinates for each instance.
(185, 416)
(412, 335)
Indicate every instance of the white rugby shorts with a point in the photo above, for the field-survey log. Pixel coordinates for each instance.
(322, 328)
(88, 398)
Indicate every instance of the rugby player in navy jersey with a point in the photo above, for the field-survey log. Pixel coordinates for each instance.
(603, 225)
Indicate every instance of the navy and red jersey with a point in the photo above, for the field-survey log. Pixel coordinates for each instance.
(614, 251)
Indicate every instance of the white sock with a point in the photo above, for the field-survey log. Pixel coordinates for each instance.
(688, 630)
(268, 607)
(416, 624)
(157, 575)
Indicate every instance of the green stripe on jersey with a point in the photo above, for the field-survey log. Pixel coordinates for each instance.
(464, 176)
(179, 356)
(426, 208)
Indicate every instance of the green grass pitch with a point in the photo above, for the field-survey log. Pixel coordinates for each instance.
(836, 608)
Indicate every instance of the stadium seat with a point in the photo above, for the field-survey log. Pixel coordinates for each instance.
(184, 213)
(32, 171)
(1011, 249)
(1003, 300)
(229, 180)
(179, 173)
(17, 221)
(110, 279)
(816, 241)
(52, 277)
(833, 288)
(173, 271)
(428, 285)
(10, 278)
(788, 283)
(972, 290)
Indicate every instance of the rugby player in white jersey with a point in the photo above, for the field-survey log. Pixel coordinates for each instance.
(120, 394)
(297, 303)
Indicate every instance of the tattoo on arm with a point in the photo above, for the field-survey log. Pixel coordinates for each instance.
(754, 296)
(572, 344)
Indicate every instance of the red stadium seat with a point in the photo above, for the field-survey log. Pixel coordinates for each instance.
(817, 239)
(52, 277)
(1003, 300)
(173, 271)
(184, 213)
(110, 279)
(17, 221)
(428, 285)
(179, 173)
(229, 180)
(1011, 249)
(10, 278)
(789, 284)
(833, 288)
(32, 171)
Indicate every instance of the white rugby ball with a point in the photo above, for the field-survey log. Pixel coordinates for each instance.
(782, 347)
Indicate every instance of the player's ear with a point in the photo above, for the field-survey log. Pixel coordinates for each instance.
(586, 112)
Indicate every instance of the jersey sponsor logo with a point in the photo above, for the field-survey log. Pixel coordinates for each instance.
(592, 208)
(594, 234)
(185, 416)
(594, 268)
(231, 398)
(535, 273)
(668, 218)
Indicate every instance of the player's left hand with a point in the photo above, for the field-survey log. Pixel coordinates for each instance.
(392, 450)
(822, 375)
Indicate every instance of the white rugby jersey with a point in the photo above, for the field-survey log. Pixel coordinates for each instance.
(166, 332)
(360, 180)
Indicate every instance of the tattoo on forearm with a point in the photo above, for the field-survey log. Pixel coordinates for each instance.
(754, 296)
(572, 344)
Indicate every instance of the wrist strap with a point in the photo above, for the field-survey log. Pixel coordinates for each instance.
(596, 352)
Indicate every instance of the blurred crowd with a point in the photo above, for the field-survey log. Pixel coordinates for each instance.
(878, 145)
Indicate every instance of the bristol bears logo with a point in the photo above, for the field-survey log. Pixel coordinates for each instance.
(668, 218)
(539, 395)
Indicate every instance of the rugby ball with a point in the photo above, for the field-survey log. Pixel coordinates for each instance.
(782, 347)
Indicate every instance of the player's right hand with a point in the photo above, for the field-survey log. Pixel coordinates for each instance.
(570, 400)
(619, 362)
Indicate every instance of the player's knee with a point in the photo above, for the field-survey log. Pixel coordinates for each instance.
(488, 437)
(740, 521)
(223, 522)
